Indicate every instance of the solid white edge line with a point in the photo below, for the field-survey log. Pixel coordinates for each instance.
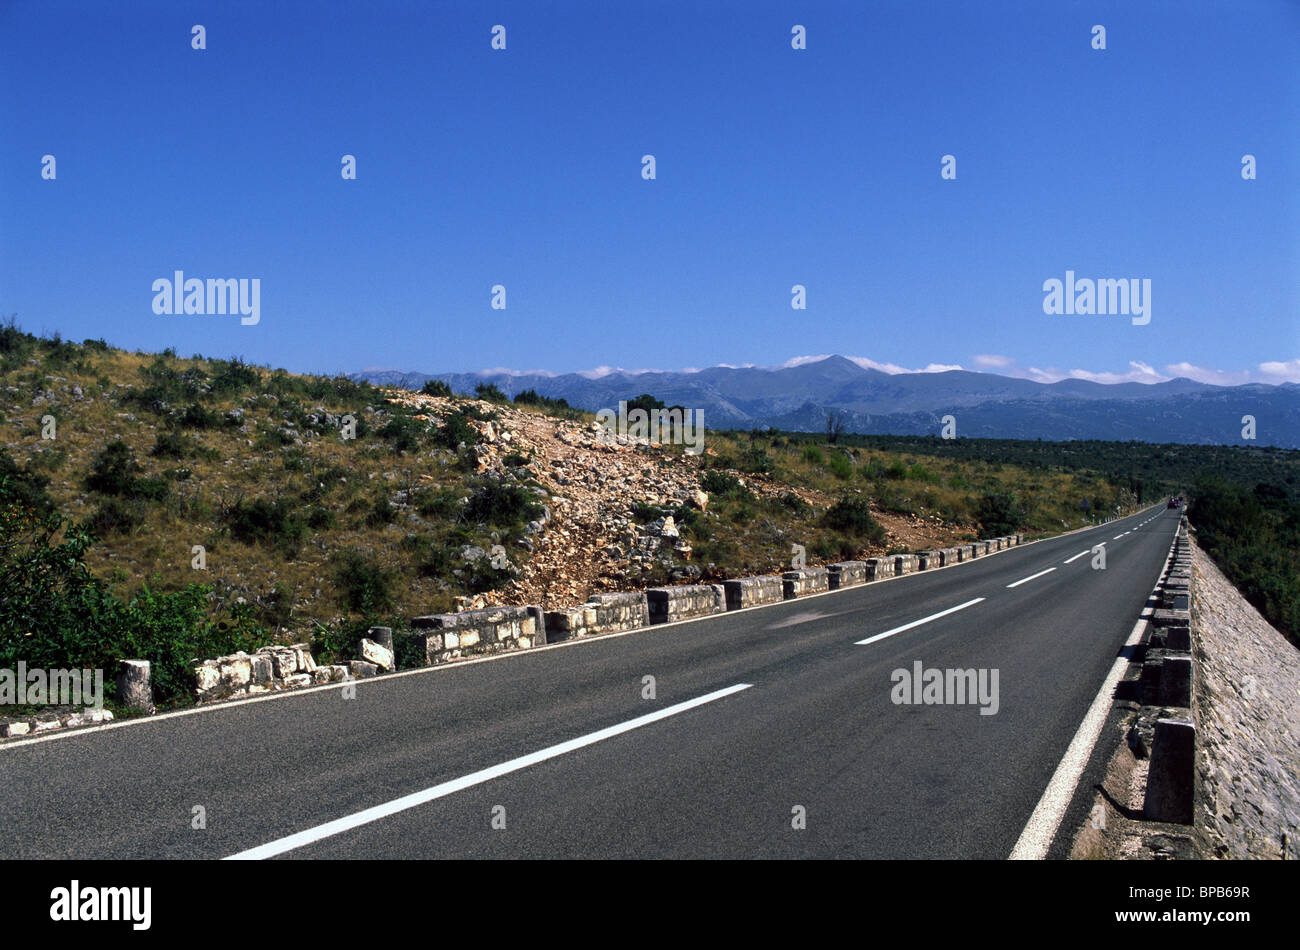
(368, 815)
(1040, 830)
(1026, 580)
(917, 623)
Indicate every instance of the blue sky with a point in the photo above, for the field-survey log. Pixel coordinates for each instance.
(774, 167)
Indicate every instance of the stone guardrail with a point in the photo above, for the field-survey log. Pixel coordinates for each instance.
(670, 604)
(1164, 723)
(754, 591)
(603, 613)
(809, 580)
(444, 637)
(847, 574)
(480, 631)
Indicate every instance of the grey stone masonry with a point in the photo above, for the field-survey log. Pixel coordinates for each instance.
(134, 688)
(878, 567)
(1161, 617)
(604, 613)
(847, 574)
(270, 669)
(904, 564)
(752, 591)
(1169, 792)
(1176, 680)
(669, 604)
(1247, 717)
(477, 631)
(719, 598)
(811, 580)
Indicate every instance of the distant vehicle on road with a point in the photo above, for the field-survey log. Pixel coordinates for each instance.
(1175, 502)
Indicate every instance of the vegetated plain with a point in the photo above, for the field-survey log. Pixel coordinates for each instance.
(308, 536)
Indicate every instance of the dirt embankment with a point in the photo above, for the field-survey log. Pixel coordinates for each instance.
(592, 541)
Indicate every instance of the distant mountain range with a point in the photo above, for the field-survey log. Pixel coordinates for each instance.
(985, 405)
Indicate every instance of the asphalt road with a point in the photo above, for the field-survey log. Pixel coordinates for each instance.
(814, 729)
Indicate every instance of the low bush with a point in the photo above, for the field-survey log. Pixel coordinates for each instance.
(853, 516)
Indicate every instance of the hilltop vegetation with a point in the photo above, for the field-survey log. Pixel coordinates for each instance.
(188, 507)
(1253, 534)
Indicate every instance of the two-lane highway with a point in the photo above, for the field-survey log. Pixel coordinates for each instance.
(772, 732)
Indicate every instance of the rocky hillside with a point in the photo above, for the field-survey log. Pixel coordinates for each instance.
(147, 492)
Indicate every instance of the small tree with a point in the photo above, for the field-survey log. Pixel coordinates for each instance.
(834, 426)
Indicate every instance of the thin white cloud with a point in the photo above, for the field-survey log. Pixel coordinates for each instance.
(1287, 371)
(506, 371)
(1138, 372)
(867, 363)
(1215, 377)
(1270, 372)
(802, 360)
(602, 371)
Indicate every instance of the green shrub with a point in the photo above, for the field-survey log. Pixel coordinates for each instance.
(173, 445)
(431, 558)
(436, 387)
(490, 392)
(196, 417)
(321, 519)
(502, 505)
(381, 512)
(115, 472)
(55, 614)
(853, 516)
(456, 429)
(840, 466)
(21, 485)
(115, 515)
(442, 503)
(409, 649)
(404, 433)
(362, 585)
(999, 512)
(276, 524)
(755, 461)
(233, 376)
(920, 473)
(722, 485)
(548, 404)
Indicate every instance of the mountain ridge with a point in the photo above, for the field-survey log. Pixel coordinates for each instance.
(871, 401)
